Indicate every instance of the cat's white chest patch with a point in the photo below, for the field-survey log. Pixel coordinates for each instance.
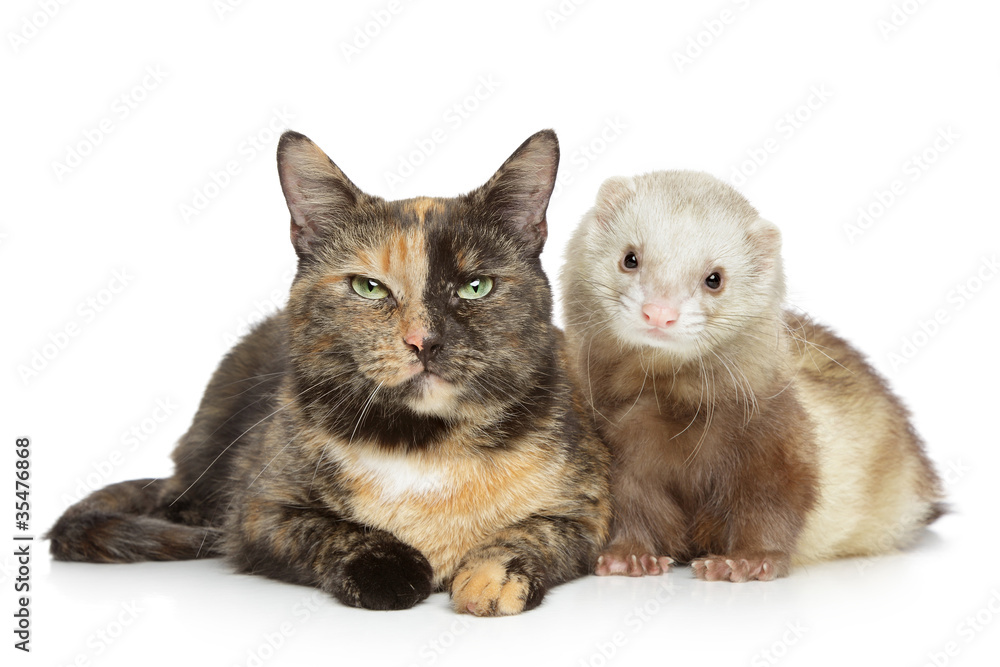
(396, 476)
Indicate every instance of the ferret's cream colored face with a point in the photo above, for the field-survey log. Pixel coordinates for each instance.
(677, 273)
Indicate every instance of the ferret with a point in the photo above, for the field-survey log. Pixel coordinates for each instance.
(746, 438)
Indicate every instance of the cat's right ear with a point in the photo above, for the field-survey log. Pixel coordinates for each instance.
(611, 196)
(318, 194)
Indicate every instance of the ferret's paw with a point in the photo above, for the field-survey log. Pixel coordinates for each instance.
(721, 568)
(492, 588)
(632, 565)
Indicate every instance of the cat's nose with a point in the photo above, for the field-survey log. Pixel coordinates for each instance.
(424, 344)
(659, 315)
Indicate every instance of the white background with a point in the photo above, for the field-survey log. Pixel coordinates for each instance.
(604, 68)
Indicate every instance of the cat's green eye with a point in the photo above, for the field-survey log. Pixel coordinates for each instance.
(476, 289)
(369, 287)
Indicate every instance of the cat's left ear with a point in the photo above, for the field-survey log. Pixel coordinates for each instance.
(521, 188)
(318, 194)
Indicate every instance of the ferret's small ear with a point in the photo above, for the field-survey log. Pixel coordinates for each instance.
(318, 194)
(611, 196)
(521, 188)
(766, 237)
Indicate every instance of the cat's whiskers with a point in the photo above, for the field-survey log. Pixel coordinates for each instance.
(249, 378)
(226, 449)
(266, 465)
(322, 455)
(219, 455)
(364, 410)
(193, 451)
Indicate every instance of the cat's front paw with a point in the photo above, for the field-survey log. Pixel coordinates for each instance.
(492, 587)
(389, 576)
(739, 569)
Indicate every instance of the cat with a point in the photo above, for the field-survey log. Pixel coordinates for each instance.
(745, 437)
(405, 425)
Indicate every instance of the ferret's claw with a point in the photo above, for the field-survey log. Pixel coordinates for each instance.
(632, 565)
(734, 569)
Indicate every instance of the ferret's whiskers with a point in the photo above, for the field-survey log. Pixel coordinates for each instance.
(590, 384)
(701, 368)
(656, 396)
(709, 412)
(810, 345)
(645, 376)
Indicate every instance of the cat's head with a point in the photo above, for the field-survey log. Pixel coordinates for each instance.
(676, 261)
(406, 316)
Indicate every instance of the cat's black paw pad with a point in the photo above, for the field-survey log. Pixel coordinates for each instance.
(395, 577)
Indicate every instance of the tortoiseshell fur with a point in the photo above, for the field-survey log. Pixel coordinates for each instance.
(382, 449)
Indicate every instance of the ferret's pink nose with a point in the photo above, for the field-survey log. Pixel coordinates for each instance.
(659, 315)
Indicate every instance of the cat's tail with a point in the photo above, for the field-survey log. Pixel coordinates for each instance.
(127, 522)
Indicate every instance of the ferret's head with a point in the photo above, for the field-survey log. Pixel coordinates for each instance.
(677, 261)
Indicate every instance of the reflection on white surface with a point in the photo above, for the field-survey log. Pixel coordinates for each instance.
(895, 610)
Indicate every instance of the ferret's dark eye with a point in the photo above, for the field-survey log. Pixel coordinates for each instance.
(630, 261)
(714, 281)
